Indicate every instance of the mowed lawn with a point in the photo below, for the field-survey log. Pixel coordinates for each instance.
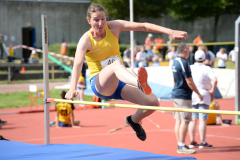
(22, 99)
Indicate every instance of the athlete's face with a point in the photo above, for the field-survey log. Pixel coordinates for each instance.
(98, 21)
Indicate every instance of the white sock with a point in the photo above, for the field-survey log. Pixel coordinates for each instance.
(193, 139)
(203, 141)
(181, 144)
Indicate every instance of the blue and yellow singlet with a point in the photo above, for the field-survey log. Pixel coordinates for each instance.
(102, 53)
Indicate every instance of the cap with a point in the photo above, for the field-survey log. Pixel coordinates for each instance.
(150, 35)
(200, 55)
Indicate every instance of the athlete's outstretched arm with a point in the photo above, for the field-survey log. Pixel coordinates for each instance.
(81, 50)
(146, 27)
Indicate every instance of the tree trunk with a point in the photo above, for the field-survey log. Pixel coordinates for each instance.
(216, 19)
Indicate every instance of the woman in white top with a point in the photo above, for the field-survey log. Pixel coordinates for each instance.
(171, 55)
(232, 55)
(142, 57)
(222, 58)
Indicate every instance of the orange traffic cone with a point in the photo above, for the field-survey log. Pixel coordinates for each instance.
(23, 70)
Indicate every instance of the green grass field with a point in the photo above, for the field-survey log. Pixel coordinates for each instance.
(22, 99)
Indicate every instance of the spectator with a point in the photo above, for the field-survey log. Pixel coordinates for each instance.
(212, 57)
(219, 119)
(33, 57)
(148, 44)
(135, 50)
(171, 55)
(170, 42)
(155, 61)
(206, 83)
(198, 40)
(81, 85)
(182, 96)
(232, 55)
(222, 58)
(142, 57)
(1, 47)
(64, 115)
(207, 56)
(126, 57)
(155, 51)
(11, 58)
(191, 59)
(158, 42)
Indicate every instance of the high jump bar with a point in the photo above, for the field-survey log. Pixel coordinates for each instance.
(147, 107)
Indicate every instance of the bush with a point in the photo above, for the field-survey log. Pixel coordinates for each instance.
(72, 48)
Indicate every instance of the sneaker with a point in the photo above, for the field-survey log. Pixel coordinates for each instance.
(206, 145)
(185, 150)
(52, 123)
(193, 144)
(137, 128)
(142, 81)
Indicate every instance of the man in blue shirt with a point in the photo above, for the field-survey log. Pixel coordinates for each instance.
(182, 96)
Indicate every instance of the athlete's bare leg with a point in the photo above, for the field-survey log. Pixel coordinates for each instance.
(135, 95)
(107, 80)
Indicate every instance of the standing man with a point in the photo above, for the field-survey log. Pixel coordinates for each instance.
(182, 96)
(158, 43)
(198, 40)
(206, 83)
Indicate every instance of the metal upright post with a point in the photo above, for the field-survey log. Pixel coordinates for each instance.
(237, 72)
(9, 73)
(45, 78)
(131, 34)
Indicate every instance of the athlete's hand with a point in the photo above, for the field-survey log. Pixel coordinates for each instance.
(178, 35)
(200, 97)
(71, 94)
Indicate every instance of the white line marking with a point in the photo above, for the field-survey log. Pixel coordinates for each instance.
(108, 134)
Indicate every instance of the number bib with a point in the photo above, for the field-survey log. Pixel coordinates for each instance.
(109, 61)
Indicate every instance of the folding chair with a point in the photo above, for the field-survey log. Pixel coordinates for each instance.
(33, 95)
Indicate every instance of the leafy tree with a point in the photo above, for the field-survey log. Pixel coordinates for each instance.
(189, 10)
(142, 8)
(181, 10)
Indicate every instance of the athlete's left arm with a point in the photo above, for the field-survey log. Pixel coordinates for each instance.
(121, 25)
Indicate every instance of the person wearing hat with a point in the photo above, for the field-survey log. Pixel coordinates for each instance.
(182, 96)
(33, 57)
(206, 82)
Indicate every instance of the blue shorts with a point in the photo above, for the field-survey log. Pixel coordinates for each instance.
(200, 115)
(115, 95)
(61, 124)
